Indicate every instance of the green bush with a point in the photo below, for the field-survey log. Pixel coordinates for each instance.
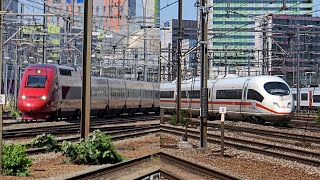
(98, 149)
(47, 141)
(173, 120)
(13, 111)
(15, 160)
(318, 116)
(184, 120)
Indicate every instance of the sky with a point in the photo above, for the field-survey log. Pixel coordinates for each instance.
(189, 12)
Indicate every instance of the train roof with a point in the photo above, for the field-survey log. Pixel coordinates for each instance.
(56, 66)
(222, 81)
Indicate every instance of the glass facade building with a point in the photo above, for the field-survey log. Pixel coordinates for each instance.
(293, 44)
(232, 30)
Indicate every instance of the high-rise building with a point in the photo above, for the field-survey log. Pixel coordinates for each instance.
(290, 43)
(107, 14)
(169, 46)
(232, 30)
(152, 12)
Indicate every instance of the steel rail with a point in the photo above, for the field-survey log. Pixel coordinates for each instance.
(276, 134)
(26, 134)
(263, 148)
(194, 168)
(184, 164)
(105, 170)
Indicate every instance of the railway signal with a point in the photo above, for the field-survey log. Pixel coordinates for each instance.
(2, 99)
(222, 111)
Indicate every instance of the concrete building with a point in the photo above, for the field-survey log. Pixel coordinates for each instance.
(289, 42)
(107, 14)
(152, 12)
(169, 46)
(231, 29)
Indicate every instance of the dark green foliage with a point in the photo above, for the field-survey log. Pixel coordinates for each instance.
(184, 120)
(47, 141)
(318, 116)
(15, 160)
(173, 120)
(13, 111)
(98, 149)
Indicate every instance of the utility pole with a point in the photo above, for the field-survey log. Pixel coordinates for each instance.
(169, 61)
(1, 107)
(204, 69)
(298, 69)
(144, 40)
(179, 62)
(264, 34)
(43, 37)
(86, 74)
(15, 89)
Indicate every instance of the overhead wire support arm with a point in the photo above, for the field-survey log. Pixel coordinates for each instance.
(13, 35)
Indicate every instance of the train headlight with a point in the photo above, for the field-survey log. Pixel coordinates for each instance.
(276, 104)
(43, 97)
(23, 97)
(289, 105)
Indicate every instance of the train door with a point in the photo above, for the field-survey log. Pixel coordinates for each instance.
(310, 100)
(244, 108)
(211, 98)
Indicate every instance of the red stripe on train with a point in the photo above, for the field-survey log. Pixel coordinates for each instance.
(227, 103)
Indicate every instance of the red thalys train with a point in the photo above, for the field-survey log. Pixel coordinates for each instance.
(53, 91)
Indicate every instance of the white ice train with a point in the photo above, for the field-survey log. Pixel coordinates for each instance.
(256, 99)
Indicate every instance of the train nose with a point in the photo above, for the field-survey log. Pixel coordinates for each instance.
(31, 105)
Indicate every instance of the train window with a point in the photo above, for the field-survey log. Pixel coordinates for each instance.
(36, 81)
(229, 94)
(254, 95)
(304, 97)
(156, 94)
(166, 94)
(194, 94)
(183, 94)
(65, 72)
(316, 98)
(294, 96)
(277, 88)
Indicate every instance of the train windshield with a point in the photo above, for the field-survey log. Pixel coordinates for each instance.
(277, 88)
(36, 81)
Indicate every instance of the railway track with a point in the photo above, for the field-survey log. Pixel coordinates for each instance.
(194, 168)
(71, 129)
(268, 133)
(301, 156)
(77, 121)
(164, 158)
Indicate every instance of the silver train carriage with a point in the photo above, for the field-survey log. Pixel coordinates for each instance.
(309, 98)
(63, 94)
(256, 99)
